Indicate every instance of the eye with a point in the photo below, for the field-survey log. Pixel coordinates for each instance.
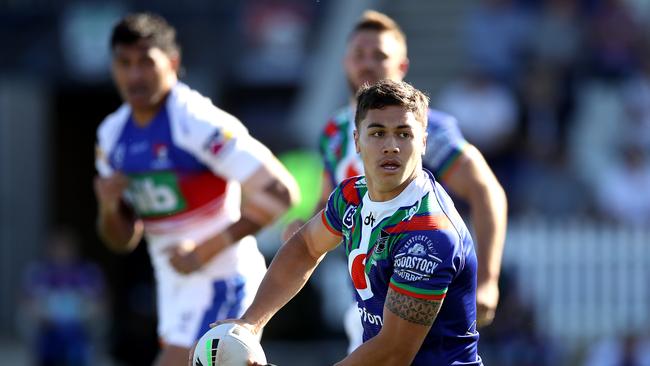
(121, 61)
(380, 56)
(405, 135)
(377, 133)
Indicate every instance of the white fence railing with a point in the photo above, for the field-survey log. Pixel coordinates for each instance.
(585, 279)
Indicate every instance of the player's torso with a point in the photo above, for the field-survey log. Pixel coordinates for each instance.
(369, 233)
(167, 184)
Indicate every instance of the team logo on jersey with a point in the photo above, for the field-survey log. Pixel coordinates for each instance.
(357, 268)
(348, 216)
(381, 243)
(161, 155)
(217, 141)
(360, 183)
(418, 261)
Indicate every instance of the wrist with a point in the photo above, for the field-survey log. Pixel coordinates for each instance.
(487, 278)
(109, 208)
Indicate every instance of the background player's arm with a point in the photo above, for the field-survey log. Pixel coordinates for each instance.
(289, 271)
(407, 321)
(472, 180)
(326, 189)
(266, 195)
(117, 225)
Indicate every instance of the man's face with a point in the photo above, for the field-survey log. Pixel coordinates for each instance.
(391, 143)
(143, 74)
(372, 56)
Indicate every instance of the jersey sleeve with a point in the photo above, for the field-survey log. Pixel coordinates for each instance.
(333, 213)
(445, 143)
(102, 163)
(221, 142)
(424, 264)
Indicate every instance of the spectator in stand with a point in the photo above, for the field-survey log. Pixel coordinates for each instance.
(64, 297)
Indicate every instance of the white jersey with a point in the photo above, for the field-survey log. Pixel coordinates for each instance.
(185, 170)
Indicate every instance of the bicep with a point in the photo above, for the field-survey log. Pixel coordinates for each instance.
(469, 174)
(318, 236)
(407, 320)
(270, 190)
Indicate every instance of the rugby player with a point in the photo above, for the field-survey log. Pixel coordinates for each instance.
(410, 256)
(376, 50)
(188, 176)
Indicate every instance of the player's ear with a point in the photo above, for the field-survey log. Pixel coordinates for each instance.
(175, 59)
(356, 141)
(424, 142)
(404, 66)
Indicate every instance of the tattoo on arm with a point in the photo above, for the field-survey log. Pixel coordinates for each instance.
(414, 310)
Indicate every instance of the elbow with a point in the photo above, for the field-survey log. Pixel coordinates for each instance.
(291, 195)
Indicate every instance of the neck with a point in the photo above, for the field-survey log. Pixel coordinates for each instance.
(143, 116)
(381, 196)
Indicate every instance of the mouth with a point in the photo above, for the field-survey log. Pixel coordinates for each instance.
(138, 92)
(390, 165)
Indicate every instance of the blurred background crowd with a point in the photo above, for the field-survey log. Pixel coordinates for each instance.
(555, 93)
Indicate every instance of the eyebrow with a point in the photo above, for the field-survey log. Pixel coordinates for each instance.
(379, 125)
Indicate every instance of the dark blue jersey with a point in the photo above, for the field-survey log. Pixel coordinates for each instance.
(417, 245)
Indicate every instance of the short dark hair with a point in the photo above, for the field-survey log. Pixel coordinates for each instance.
(386, 93)
(151, 27)
(372, 20)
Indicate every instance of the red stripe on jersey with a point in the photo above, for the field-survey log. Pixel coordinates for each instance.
(350, 193)
(416, 295)
(327, 224)
(331, 128)
(420, 223)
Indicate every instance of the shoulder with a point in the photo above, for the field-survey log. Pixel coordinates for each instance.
(352, 190)
(440, 120)
(113, 124)
(191, 109)
(195, 119)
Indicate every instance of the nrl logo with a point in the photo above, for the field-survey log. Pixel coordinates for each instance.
(382, 242)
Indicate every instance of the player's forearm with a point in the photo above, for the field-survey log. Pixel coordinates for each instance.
(288, 273)
(259, 209)
(489, 217)
(119, 232)
(378, 350)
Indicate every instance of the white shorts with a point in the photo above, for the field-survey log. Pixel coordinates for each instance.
(188, 306)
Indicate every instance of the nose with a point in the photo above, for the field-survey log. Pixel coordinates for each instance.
(390, 147)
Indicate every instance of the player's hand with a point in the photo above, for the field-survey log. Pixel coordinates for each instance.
(487, 298)
(291, 229)
(241, 322)
(188, 257)
(109, 191)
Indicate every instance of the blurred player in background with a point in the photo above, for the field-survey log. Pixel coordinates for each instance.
(189, 176)
(408, 248)
(377, 50)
